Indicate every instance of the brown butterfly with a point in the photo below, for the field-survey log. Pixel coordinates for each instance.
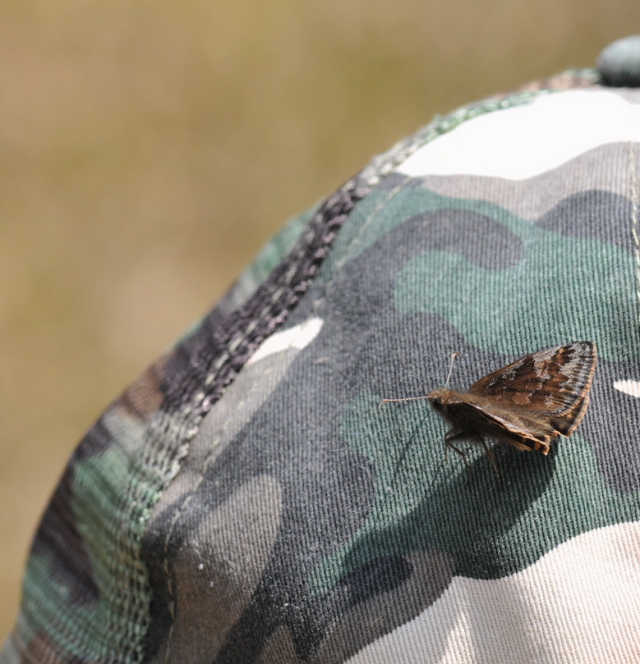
(527, 404)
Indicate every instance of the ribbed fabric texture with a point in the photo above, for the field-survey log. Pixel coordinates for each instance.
(246, 501)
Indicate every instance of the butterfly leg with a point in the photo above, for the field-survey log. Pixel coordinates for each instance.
(452, 434)
(492, 457)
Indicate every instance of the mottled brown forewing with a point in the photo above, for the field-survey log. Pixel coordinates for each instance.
(551, 384)
(528, 403)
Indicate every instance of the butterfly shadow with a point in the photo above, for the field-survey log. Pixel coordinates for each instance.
(469, 516)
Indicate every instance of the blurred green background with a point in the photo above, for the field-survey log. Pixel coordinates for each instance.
(149, 148)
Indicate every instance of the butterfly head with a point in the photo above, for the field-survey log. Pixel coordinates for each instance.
(440, 399)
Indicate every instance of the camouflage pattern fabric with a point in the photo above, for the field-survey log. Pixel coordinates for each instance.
(246, 501)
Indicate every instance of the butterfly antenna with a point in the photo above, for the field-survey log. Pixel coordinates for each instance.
(454, 357)
(401, 399)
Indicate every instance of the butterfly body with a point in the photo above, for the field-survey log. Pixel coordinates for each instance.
(527, 404)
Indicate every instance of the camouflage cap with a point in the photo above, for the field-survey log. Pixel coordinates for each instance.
(246, 501)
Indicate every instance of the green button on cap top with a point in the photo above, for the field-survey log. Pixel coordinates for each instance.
(619, 63)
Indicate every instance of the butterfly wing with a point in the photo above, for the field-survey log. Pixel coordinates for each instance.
(478, 415)
(551, 384)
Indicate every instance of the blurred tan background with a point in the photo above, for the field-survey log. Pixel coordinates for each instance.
(149, 148)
